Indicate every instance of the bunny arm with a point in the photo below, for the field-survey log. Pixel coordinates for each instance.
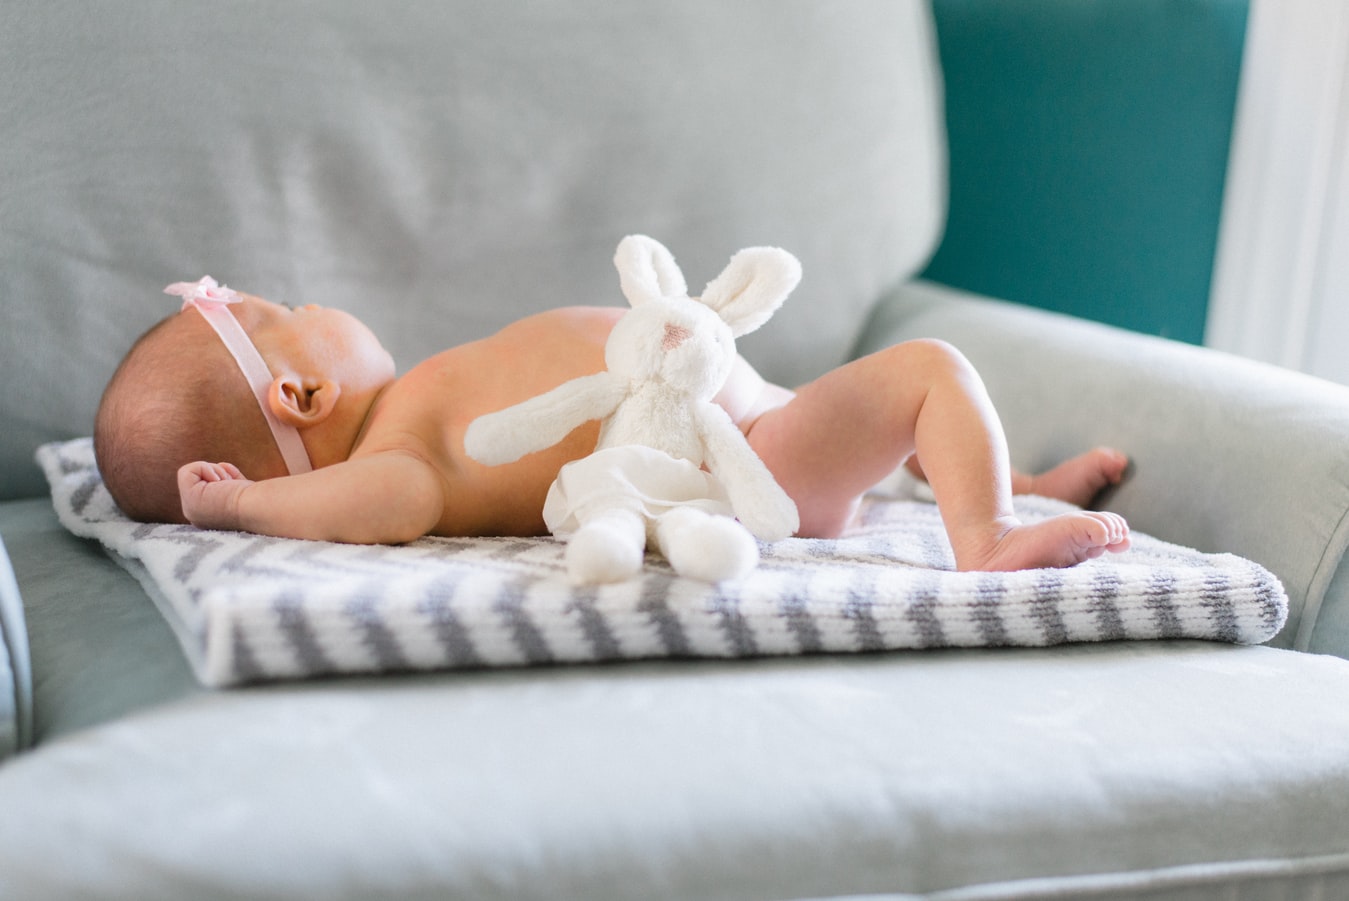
(757, 499)
(542, 421)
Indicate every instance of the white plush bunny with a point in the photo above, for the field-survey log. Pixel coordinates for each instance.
(667, 358)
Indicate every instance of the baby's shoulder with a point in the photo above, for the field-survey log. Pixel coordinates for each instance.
(528, 357)
(557, 337)
(590, 323)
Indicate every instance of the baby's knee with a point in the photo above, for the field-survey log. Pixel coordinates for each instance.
(826, 518)
(929, 362)
(930, 353)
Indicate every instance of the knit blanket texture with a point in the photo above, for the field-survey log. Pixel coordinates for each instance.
(248, 608)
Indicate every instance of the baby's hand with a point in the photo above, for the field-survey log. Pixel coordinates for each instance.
(210, 494)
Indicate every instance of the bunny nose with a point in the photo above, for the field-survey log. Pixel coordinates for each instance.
(675, 335)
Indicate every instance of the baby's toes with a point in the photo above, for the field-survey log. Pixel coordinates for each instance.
(1116, 536)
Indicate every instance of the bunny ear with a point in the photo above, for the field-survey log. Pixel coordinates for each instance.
(647, 271)
(752, 286)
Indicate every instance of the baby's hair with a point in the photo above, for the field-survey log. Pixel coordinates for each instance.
(177, 397)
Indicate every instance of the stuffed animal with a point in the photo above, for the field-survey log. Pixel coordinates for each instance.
(670, 466)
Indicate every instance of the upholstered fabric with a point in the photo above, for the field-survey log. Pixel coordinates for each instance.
(98, 648)
(440, 169)
(1127, 769)
(16, 677)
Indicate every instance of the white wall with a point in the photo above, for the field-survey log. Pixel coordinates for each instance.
(1281, 279)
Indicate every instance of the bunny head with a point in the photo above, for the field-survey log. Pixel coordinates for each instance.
(705, 495)
(689, 343)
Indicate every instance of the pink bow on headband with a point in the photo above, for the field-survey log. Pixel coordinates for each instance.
(212, 301)
(207, 291)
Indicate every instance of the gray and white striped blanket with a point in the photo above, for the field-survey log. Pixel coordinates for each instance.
(249, 608)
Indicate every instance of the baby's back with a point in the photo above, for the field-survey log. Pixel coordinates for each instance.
(427, 410)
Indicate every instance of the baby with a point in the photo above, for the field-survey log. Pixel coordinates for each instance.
(330, 444)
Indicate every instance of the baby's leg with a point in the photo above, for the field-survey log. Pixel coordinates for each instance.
(1077, 480)
(850, 428)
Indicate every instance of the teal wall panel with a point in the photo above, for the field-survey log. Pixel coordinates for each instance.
(1089, 142)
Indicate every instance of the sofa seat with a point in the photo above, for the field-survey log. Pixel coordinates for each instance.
(1087, 770)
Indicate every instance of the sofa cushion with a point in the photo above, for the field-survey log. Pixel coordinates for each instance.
(1157, 770)
(16, 677)
(440, 169)
(97, 646)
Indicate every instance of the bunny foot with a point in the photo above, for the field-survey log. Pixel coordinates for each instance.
(608, 548)
(701, 546)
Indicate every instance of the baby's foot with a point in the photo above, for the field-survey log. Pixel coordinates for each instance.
(1080, 479)
(1064, 540)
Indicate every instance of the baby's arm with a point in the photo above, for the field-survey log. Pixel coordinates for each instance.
(385, 498)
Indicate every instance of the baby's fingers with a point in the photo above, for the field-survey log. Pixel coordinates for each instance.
(231, 471)
(201, 471)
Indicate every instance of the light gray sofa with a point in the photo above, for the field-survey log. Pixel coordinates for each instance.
(442, 168)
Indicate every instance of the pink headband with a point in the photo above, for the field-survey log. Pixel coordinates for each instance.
(212, 301)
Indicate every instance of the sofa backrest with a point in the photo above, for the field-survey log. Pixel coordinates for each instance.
(440, 169)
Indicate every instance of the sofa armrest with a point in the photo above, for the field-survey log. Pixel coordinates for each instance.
(1228, 454)
(16, 681)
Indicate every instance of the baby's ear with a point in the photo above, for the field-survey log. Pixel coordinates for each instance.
(303, 402)
(752, 287)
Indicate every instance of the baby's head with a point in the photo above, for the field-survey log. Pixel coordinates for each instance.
(181, 395)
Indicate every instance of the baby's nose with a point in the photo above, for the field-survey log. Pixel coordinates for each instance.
(675, 335)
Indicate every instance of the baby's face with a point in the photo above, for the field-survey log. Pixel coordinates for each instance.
(321, 341)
